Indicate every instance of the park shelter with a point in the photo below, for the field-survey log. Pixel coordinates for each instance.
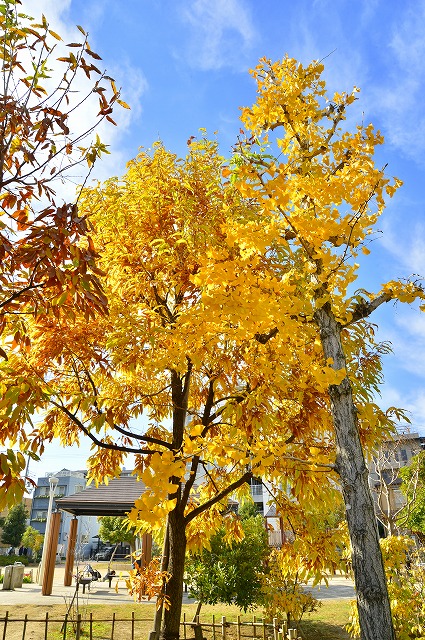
(116, 498)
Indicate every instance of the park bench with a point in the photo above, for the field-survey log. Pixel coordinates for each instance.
(87, 576)
(109, 577)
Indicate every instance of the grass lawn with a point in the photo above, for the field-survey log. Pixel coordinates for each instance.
(328, 622)
(325, 624)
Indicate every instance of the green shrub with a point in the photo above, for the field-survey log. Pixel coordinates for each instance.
(6, 560)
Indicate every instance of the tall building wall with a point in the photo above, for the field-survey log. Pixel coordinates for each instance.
(70, 482)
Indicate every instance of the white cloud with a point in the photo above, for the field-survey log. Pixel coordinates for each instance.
(405, 329)
(57, 15)
(399, 96)
(412, 401)
(222, 33)
(407, 249)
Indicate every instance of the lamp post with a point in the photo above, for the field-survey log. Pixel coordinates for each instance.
(53, 484)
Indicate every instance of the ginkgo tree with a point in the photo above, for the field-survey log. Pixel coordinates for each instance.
(322, 192)
(43, 266)
(182, 371)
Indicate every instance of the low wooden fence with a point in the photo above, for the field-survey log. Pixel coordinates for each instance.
(79, 628)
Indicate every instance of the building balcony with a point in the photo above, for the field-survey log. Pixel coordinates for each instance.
(257, 490)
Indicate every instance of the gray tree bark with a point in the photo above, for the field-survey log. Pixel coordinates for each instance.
(371, 588)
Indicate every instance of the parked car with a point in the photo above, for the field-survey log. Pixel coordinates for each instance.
(105, 554)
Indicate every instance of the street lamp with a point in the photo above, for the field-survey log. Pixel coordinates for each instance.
(53, 484)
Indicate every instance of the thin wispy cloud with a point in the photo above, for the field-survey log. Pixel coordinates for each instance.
(407, 249)
(125, 74)
(222, 33)
(398, 98)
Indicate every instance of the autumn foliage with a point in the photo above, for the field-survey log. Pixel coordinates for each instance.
(46, 269)
(233, 347)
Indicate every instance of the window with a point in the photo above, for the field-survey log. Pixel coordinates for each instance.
(399, 499)
(403, 454)
(256, 487)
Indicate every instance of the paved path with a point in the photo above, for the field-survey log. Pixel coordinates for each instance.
(339, 587)
(99, 593)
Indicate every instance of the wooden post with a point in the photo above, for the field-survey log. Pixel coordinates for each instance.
(6, 617)
(52, 543)
(275, 629)
(46, 626)
(113, 626)
(78, 629)
(223, 627)
(70, 552)
(24, 630)
(146, 556)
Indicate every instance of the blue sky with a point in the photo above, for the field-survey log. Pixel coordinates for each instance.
(183, 64)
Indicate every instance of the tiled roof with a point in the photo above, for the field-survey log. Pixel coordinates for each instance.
(114, 499)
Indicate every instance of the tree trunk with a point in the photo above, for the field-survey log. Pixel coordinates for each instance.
(154, 634)
(177, 551)
(371, 588)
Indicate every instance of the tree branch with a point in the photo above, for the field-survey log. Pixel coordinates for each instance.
(225, 492)
(97, 442)
(363, 309)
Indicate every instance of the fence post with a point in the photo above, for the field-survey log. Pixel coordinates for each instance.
(184, 626)
(213, 626)
(46, 627)
(5, 625)
(264, 629)
(113, 626)
(24, 630)
(223, 627)
(78, 629)
(197, 629)
(275, 629)
(132, 625)
(292, 634)
(254, 627)
(91, 626)
(65, 622)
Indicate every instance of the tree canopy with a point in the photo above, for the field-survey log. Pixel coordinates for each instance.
(45, 269)
(413, 488)
(233, 346)
(113, 529)
(319, 184)
(14, 525)
(184, 351)
(230, 572)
